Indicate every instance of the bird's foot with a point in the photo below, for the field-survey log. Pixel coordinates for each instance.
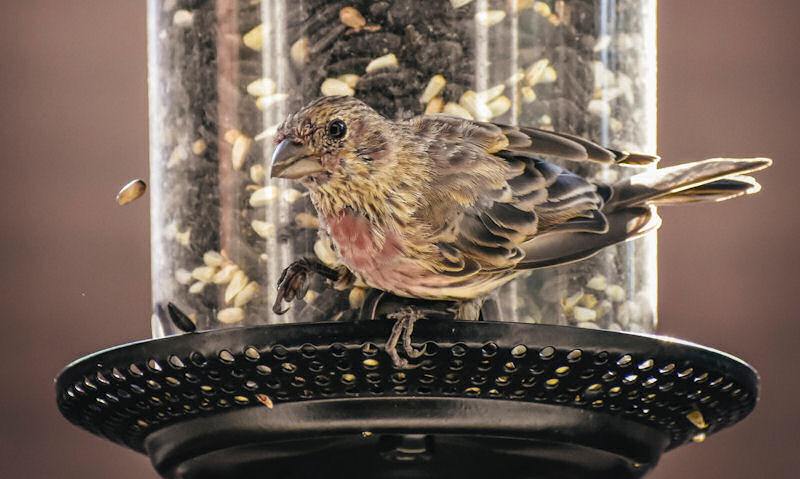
(294, 281)
(401, 331)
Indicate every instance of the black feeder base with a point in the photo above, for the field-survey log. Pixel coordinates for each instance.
(323, 400)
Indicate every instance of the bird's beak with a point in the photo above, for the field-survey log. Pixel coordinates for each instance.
(292, 161)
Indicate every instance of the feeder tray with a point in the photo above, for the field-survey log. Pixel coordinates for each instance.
(536, 401)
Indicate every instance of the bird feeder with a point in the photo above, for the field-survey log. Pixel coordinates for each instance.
(553, 382)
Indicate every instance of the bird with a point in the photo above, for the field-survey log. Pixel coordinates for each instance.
(439, 207)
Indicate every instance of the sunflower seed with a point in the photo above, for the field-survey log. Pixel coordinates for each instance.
(434, 87)
(434, 106)
(307, 220)
(246, 294)
(130, 192)
(257, 173)
(239, 151)
(261, 87)
(263, 229)
(352, 18)
(180, 319)
(182, 18)
(490, 18)
(183, 276)
(225, 274)
(230, 315)
(334, 87)
(253, 39)
(204, 273)
(197, 287)
(238, 282)
(199, 147)
(264, 196)
(386, 61)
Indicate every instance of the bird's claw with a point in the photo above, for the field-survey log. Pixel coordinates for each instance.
(402, 329)
(294, 281)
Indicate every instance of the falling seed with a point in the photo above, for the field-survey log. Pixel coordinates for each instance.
(299, 52)
(183, 276)
(491, 93)
(435, 85)
(477, 108)
(528, 95)
(584, 314)
(457, 110)
(290, 195)
(459, 3)
(224, 275)
(490, 18)
(197, 287)
(204, 273)
(180, 319)
(253, 39)
(230, 315)
(246, 294)
(599, 108)
(307, 220)
(352, 18)
(263, 229)
(264, 102)
(542, 9)
(535, 72)
(130, 192)
(237, 284)
(182, 18)
(386, 61)
(261, 87)
(696, 418)
(615, 293)
(199, 147)
(499, 105)
(699, 437)
(602, 43)
(264, 196)
(366, 434)
(351, 79)
(239, 151)
(334, 87)
(324, 252)
(257, 173)
(356, 297)
(597, 282)
(434, 106)
(265, 400)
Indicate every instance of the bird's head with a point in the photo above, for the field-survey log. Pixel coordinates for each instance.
(332, 139)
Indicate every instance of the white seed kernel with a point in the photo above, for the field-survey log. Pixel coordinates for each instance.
(238, 282)
(457, 110)
(263, 229)
(615, 293)
(264, 196)
(253, 39)
(542, 9)
(588, 325)
(261, 87)
(588, 301)
(182, 18)
(528, 95)
(183, 276)
(491, 93)
(475, 106)
(356, 297)
(459, 3)
(534, 72)
(199, 147)
(599, 108)
(352, 18)
(257, 173)
(246, 294)
(307, 220)
(499, 105)
(436, 105)
(490, 17)
(334, 86)
(231, 135)
(299, 52)
(602, 43)
(351, 79)
(264, 102)
(549, 75)
(225, 274)
(230, 315)
(584, 314)
(597, 282)
(386, 61)
(239, 151)
(435, 85)
(213, 258)
(204, 273)
(197, 287)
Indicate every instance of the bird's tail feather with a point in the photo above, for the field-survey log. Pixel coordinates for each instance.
(716, 179)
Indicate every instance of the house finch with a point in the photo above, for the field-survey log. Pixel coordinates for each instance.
(442, 208)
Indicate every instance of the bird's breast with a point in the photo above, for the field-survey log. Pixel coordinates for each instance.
(358, 243)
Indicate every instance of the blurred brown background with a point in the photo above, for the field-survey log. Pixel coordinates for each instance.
(75, 271)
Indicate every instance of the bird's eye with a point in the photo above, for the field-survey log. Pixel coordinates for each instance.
(337, 129)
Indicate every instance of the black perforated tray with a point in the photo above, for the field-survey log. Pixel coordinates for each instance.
(486, 398)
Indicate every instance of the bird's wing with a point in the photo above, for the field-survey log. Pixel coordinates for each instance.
(492, 194)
